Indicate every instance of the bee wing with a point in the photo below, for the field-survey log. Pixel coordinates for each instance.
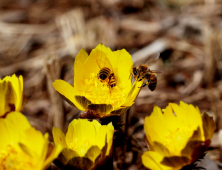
(103, 62)
(152, 59)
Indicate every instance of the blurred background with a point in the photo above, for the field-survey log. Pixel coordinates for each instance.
(39, 40)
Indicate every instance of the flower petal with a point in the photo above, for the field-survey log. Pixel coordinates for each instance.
(67, 155)
(181, 115)
(101, 136)
(35, 138)
(171, 120)
(31, 138)
(17, 84)
(79, 163)
(175, 162)
(160, 148)
(152, 160)
(68, 92)
(156, 129)
(81, 56)
(101, 109)
(82, 101)
(78, 131)
(119, 111)
(11, 89)
(79, 77)
(195, 147)
(11, 128)
(96, 125)
(109, 148)
(109, 138)
(191, 115)
(135, 89)
(122, 65)
(208, 126)
(91, 65)
(59, 137)
(93, 153)
(54, 153)
(104, 49)
(3, 90)
(15, 90)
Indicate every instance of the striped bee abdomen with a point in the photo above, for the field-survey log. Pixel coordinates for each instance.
(112, 80)
(153, 82)
(104, 73)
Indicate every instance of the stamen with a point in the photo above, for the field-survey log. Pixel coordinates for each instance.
(16, 159)
(99, 92)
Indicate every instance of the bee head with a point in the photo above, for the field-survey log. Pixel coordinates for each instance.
(134, 71)
(102, 76)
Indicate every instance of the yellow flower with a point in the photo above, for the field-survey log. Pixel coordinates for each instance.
(23, 147)
(85, 141)
(90, 93)
(177, 136)
(11, 94)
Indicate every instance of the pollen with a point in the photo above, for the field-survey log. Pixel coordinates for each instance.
(99, 92)
(176, 140)
(12, 158)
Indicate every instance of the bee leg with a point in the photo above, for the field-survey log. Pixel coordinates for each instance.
(148, 81)
(138, 77)
(131, 74)
(142, 77)
(144, 84)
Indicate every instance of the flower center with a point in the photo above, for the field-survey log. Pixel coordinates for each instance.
(177, 140)
(100, 92)
(12, 158)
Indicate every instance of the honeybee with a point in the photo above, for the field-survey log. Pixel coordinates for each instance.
(106, 72)
(143, 72)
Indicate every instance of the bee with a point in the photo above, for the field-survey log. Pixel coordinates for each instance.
(106, 73)
(143, 72)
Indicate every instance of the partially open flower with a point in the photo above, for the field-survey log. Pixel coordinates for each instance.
(86, 145)
(177, 136)
(11, 94)
(23, 147)
(107, 92)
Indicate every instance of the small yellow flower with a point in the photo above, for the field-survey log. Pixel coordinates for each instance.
(11, 94)
(90, 93)
(85, 141)
(22, 147)
(177, 136)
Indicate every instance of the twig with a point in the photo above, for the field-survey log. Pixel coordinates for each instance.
(53, 70)
(140, 26)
